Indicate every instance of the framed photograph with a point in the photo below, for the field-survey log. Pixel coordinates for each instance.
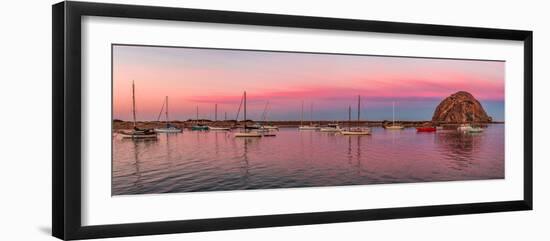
(170, 120)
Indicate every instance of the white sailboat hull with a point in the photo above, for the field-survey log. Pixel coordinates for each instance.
(137, 135)
(395, 127)
(330, 129)
(248, 134)
(212, 128)
(475, 130)
(168, 130)
(470, 129)
(355, 132)
(308, 128)
(464, 128)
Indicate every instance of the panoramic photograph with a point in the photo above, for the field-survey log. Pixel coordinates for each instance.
(187, 119)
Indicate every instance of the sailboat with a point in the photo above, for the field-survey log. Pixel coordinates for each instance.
(426, 129)
(265, 126)
(217, 128)
(356, 130)
(246, 132)
(309, 127)
(332, 127)
(198, 126)
(469, 128)
(137, 133)
(169, 128)
(267, 130)
(473, 129)
(464, 128)
(393, 126)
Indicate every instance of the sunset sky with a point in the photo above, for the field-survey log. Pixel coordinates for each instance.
(205, 77)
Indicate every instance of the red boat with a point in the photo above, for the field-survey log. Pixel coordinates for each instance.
(425, 129)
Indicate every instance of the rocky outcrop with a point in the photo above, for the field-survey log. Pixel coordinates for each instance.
(460, 107)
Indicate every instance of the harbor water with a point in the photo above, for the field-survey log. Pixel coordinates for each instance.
(217, 161)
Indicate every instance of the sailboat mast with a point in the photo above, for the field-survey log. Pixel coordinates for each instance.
(349, 117)
(167, 123)
(245, 111)
(311, 114)
(393, 113)
(266, 110)
(197, 114)
(473, 116)
(302, 118)
(358, 109)
(215, 112)
(134, 103)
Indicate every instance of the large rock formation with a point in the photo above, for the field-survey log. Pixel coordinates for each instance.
(460, 107)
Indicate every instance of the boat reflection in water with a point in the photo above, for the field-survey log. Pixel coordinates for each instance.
(214, 161)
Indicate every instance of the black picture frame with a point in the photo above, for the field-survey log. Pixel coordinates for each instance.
(66, 127)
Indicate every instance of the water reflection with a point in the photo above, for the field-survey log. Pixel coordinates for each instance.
(458, 147)
(137, 172)
(245, 167)
(206, 161)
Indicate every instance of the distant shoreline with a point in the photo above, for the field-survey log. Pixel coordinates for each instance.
(120, 124)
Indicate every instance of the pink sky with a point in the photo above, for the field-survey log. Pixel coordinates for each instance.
(203, 77)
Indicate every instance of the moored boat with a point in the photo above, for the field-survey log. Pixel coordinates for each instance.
(137, 133)
(443, 129)
(356, 130)
(475, 130)
(333, 127)
(269, 133)
(261, 130)
(215, 128)
(199, 126)
(255, 126)
(426, 129)
(394, 126)
(246, 132)
(169, 128)
(265, 126)
(469, 128)
(464, 128)
(309, 127)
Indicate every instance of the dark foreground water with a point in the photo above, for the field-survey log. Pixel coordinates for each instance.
(214, 161)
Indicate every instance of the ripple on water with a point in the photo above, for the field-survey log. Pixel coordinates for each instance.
(211, 161)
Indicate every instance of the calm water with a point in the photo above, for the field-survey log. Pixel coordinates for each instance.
(213, 161)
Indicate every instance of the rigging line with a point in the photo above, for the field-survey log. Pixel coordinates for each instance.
(161, 109)
(265, 111)
(239, 110)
